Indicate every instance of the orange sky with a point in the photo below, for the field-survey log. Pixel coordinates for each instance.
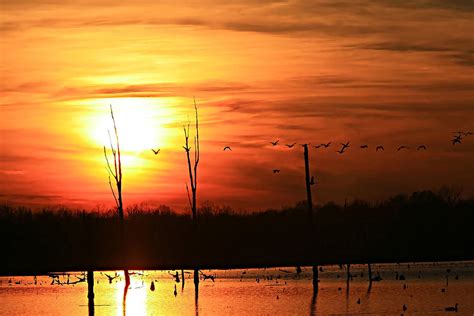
(376, 72)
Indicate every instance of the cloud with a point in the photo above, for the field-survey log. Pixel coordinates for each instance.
(465, 58)
(30, 197)
(402, 47)
(12, 172)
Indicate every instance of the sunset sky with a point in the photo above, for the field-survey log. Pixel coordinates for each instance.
(383, 72)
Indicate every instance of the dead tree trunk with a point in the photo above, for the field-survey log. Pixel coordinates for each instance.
(116, 173)
(182, 280)
(348, 275)
(310, 212)
(315, 278)
(308, 184)
(90, 291)
(370, 276)
(192, 170)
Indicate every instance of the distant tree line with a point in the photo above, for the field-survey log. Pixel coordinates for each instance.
(423, 226)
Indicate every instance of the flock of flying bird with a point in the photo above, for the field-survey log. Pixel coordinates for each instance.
(457, 139)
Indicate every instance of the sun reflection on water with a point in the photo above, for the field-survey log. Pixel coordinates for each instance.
(136, 301)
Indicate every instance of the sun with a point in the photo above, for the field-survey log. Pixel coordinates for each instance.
(138, 124)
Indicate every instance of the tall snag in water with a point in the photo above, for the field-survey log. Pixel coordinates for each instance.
(310, 212)
(116, 173)
(192, 169)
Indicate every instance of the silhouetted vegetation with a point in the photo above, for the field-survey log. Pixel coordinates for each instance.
(422, 226)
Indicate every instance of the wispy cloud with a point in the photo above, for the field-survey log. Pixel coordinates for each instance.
(362, 70)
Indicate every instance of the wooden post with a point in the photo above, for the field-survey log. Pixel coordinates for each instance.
(182, 280)
(310, 211)
(90, 291)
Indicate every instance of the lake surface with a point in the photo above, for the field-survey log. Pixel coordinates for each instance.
(427, 290)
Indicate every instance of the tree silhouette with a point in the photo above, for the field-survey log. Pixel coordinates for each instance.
(116, 173)
(192, 169)
(309, 203)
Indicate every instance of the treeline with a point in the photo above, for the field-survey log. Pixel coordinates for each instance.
(423, 226)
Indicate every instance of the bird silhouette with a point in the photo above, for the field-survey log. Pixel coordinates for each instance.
(344, 146)
(276, 170)
(456, 141)
(312, 182)
(275, 142)
(227, 148)
(377, 278)
(175, 291)
(175, 276)
(402, 147)
(380, 147)
(421, 147)
(358, 300)
(152, 286)
(364, 146)
(290, 145)
(323, 145)
(452, 308)
(404, 308)
(155, 151)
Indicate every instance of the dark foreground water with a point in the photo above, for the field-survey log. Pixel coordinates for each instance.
(428, 289)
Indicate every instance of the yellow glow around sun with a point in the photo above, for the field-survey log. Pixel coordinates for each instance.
(138, 122)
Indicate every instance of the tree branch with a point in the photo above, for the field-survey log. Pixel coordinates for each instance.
(189, 197)
(113, 193)
(119, 160)
(109, 169)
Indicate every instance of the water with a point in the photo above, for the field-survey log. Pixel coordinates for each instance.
(237, 292)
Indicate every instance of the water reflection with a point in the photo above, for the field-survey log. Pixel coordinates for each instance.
(251, 293)
(196, 305)
(312, 306)
(135, 301)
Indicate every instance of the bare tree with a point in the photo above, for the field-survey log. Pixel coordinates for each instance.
(310, 213)
(116, 173)
(192, 169)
